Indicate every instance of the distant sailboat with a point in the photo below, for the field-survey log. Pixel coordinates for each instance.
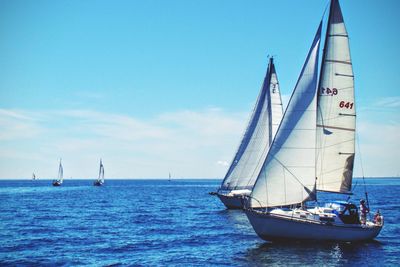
(100, 179)
(313, 150)
(259, 134)
(33, 177)
(60, 178)
(169, 177)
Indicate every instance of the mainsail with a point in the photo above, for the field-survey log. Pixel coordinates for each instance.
(287, 175)
(336, 116)
(101, 173)
(260, 131)
(60, 173)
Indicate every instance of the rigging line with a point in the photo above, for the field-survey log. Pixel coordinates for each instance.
(326, 8)
(354, 187)
(362, 171)
(294, 176)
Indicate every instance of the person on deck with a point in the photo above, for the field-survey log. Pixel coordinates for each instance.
(363, 211)
(378, 218)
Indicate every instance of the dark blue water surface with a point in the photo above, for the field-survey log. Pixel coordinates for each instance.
(156, 222)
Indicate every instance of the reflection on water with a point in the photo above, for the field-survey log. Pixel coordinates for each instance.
(314, 253)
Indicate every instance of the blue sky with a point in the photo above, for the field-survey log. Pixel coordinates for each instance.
(167, 86)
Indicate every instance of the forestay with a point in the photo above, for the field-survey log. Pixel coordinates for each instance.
(261, 129)
(288, 173)
(336, 118)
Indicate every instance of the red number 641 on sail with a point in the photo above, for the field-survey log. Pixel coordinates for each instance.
(344, 104)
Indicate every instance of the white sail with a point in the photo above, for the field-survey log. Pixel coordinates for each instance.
(276, 107)
(101, 173)
(288, 173)
(60, 173)
(262, 126)
(336, 117)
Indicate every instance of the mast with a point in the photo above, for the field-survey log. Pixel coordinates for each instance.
(262, 126)
(287, 175)
(336, 117)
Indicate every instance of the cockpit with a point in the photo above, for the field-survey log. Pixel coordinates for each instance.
(346, 211)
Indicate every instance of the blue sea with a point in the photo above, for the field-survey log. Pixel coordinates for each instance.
(162, 223)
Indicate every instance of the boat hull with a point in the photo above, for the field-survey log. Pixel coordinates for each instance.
(97, 183)
(56, 183)
(231, 202)
(274, 228)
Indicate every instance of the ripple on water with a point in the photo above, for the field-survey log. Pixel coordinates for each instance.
(163, 223)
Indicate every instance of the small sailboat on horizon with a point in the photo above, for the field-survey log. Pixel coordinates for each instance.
(258, 136)
(313, 151)
(100, 179)
(60, 178)
(33, 176)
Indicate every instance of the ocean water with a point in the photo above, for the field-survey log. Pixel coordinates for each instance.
(162, 223)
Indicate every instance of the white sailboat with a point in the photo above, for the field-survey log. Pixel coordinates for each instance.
(313, 151)
(259, 134)
(100, 179)
(60, 178)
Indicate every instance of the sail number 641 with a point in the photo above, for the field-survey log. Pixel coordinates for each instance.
(344, 104)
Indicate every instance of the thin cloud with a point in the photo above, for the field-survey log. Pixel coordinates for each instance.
(188, 143)
(388, 102)
(184, 142)
(16, 124)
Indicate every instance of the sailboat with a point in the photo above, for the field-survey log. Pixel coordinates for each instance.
(100, 179)
(258, 136)
(60, 178)
(169, 177)
(33, 177)
(313, 151)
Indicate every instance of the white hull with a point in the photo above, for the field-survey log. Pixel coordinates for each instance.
(273, 227)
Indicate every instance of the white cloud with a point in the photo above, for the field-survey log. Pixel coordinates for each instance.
(186, 143)
(223, 163)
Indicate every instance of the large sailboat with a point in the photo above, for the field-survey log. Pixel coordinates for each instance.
(258, 136)
(100, 179)
(60, 178)
(313, 151)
